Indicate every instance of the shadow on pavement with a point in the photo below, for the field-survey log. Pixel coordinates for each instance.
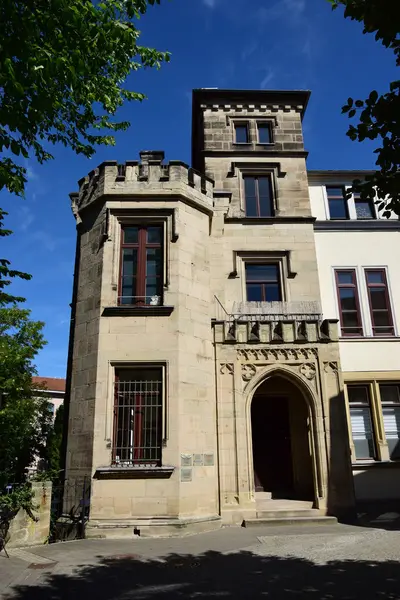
(237, 575)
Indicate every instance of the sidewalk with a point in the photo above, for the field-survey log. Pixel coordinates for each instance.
(335, 562)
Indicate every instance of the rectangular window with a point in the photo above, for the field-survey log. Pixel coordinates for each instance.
(361, 421)
(349, 305)
(264, 133)
(141, 271)
(137, 416)
(379, 304)
(258, 197)
(390, 398)
(241, 133)
(338, 208)
(364, 208)
(263, 283)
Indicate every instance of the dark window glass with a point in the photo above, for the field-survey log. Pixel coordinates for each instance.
(241, 133)
(345, 276)
(141, 265)
(338, 208)
(364, 208)
(131, 235)
(264, 133)
(390, 398)
(361, 421)
(258, 197)
(263, 283)
(379, 304)
(137, 417)
(349, 305)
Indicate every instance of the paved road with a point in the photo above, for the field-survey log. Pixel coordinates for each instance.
(321, 563)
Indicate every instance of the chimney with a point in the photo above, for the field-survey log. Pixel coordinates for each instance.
(151, 157)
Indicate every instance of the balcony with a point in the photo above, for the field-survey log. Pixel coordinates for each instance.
(273, 322)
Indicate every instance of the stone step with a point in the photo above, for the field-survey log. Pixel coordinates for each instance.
(292, 512)
(298, 521)
(263, 504)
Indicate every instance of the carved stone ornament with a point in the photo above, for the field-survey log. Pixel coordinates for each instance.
(226, 369)
(248, 372)
(330, 367)
(278, 354)
(308, 370)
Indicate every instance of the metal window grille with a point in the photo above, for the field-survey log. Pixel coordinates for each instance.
(138, 418)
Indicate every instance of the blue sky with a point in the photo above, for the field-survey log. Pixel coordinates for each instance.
(257, 44)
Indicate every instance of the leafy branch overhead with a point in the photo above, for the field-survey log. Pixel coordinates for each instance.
(63, 64)
(378, 115)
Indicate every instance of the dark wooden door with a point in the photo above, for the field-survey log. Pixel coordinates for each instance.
(273, 470)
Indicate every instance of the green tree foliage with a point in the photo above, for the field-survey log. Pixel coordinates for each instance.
(25, 419)
(6, 273)
(63, 64)
(53, 445)
(378, 115)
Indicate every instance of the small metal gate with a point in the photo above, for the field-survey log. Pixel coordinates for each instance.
(70, 504)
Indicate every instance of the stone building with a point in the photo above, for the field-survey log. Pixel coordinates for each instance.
(206, 382)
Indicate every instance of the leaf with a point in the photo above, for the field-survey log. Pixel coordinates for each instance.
(352, 113)
(373, 97)
(359, 103)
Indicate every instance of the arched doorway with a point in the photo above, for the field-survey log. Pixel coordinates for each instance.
(280, 424)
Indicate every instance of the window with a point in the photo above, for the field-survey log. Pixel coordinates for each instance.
(264, 133)
(364, 208)
(349, 306)
(379, 304)
(258, 196)
(141, 265)
(241, 133)
(263, 283)
(338, 208)
(361, 422)
(137, 416)
(390, 398)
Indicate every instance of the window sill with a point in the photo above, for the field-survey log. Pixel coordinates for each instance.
(134, 472)
(377, 338)
(375, 464)
(268, 220)
(137, 311)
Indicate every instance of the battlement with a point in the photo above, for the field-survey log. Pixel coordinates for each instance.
(149, 176)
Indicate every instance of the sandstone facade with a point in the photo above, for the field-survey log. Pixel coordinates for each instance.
(214, 351)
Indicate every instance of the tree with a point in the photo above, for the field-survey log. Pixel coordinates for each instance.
(378, 115)
(53, 445)
(25, 419)
(63, 64)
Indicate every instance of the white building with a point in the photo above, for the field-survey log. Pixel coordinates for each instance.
(359, 276)
(53, 388)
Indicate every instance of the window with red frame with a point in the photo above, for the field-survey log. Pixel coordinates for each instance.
(349, 305)
(137, 416)
(141, 265)
(379, 303)
(258, 196)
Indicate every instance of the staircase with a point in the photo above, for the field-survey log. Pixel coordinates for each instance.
(286, 512)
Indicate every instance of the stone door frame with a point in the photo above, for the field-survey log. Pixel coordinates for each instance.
(317, 442)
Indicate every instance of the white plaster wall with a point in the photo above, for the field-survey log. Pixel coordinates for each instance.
(317, 201)
(359, 249)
